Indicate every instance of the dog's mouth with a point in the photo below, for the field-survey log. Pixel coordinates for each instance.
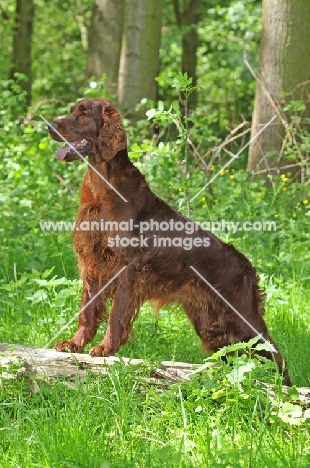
(72, 151)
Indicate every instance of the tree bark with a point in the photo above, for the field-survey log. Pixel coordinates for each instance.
(105, 38)
(22, 40)
(284, 64)
(139, 64)
(190, 17)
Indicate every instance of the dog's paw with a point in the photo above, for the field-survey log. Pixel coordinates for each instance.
(98, 351)
(68, 346)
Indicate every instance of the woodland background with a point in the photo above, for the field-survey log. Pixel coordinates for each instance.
(195, 80)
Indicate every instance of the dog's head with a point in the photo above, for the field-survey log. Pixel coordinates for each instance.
(93, 128)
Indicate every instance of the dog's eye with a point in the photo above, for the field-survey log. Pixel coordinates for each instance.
(84, 114)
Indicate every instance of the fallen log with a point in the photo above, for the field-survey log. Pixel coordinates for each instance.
(48, 364)
(17, 361)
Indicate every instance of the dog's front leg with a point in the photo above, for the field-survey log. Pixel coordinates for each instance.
(124, 310)
(91, 314)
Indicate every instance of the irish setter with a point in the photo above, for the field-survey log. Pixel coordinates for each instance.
(126, 233)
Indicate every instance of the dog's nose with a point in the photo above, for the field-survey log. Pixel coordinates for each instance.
(54, 125)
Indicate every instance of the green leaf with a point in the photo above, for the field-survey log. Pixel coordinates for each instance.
(46, 273)
(26, 318)
(160, 106)
(151, 113)
(265, 347)
(135, 147)
(238, 374)
(146, 147)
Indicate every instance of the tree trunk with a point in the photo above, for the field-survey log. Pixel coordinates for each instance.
(188, 20)
(284, 64)
(105, 38)
(139, 64)
(22, 38)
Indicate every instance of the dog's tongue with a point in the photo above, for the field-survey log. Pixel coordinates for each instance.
(61, 153)
(79, 145)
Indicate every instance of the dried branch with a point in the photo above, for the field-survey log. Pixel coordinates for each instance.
(32, 112)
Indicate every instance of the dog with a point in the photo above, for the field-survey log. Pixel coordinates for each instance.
(150, 252)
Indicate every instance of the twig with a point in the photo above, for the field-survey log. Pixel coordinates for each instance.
(60, 179)
(304, 83)
(288, 166)
(228, 139)
(29, 117)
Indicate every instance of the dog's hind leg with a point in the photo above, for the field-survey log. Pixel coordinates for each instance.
(223, 328)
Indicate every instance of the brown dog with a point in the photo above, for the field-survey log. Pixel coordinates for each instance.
(145, 235)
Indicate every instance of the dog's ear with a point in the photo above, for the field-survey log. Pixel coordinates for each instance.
(112, 137)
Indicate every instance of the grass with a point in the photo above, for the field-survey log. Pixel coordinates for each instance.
(118, 420)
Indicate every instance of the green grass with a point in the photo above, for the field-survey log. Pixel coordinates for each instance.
(118, 420)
